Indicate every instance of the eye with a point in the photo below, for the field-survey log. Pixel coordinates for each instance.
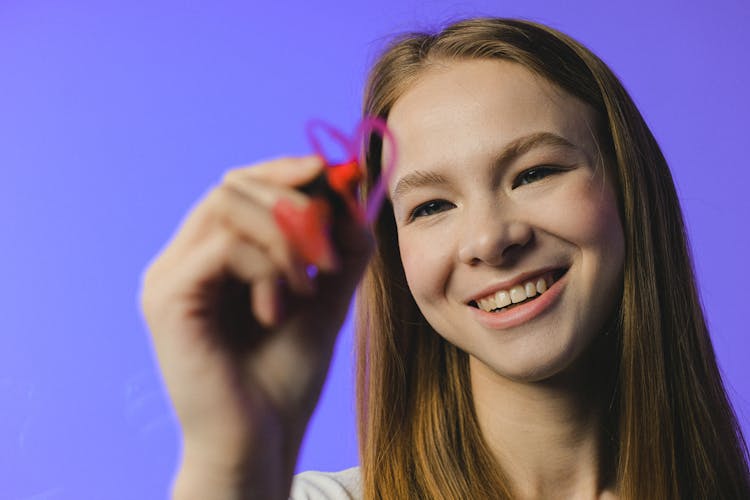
(430, 208)
(534, 174)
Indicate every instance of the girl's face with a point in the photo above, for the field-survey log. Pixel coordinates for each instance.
(499, 194)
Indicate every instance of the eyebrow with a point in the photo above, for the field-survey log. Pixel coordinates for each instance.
(517, 147)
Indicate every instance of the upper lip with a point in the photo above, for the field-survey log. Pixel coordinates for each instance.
(510, 283)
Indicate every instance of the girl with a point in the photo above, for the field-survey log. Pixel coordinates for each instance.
(528, 321)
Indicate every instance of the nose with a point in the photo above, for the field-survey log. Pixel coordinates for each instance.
(494, 239)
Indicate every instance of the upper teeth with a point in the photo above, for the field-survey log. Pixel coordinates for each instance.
(516, 294)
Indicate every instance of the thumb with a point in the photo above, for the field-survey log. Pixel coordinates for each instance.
(354, 242)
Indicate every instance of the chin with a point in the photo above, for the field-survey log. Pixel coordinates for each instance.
(533, 363)
(531, 371)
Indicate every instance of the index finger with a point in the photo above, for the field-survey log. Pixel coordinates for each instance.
(289, 171)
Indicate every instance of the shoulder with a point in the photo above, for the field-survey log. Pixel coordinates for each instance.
(314, 485)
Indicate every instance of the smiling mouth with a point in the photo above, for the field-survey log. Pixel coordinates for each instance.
(504, 300)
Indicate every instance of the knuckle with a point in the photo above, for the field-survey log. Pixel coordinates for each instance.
(144, 290)
(149, 295)
(235, 175)
(213, 197)
(224, 244)
(218, 200)
(151, 276)
(150, 305)
(147, 279)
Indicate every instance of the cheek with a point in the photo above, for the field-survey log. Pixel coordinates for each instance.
(591, 220)
(425, 268)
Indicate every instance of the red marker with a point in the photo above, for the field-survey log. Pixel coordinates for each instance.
(334, 191)
(308, 228)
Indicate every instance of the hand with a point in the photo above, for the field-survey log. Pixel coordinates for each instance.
(243, 335)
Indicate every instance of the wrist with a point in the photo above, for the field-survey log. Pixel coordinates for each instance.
(198, 480)
(192, 483)
(228, 475)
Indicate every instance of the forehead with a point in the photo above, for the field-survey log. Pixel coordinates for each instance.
(460, 109)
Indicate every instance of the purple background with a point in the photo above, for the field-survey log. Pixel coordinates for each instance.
(116, 116)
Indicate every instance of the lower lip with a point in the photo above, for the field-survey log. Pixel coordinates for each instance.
(523, 313)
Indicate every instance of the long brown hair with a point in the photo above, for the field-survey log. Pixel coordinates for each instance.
(671, 431)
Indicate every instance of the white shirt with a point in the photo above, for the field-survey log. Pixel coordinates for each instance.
(314, 485)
